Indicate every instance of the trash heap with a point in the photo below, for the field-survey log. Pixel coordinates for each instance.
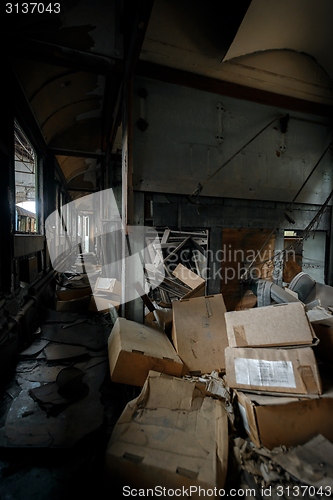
(224, 398)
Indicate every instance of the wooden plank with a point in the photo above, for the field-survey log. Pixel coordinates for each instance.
(165, 236)
(238, 91)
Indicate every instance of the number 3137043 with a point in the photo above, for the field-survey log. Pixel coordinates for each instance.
(32, 8)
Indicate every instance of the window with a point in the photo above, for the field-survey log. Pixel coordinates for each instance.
(25, 183)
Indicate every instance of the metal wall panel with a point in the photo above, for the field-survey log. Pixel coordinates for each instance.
(183, 136)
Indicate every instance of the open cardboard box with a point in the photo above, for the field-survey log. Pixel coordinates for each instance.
(273, 421)
(323, 329)
(199, 333)
(134, 349)
(274, 370)
(276, 325)
(170, 436)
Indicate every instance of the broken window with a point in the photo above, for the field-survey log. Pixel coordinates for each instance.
(25, 183)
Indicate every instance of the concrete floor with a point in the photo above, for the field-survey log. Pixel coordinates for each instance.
(51, 455)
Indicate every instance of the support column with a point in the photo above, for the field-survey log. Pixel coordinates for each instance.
(278, 257)
(7, 199)
(329, 271)
(215, 245)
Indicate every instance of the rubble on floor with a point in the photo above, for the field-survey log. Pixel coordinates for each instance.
(58, 408)
(47, 412)
(274, 387)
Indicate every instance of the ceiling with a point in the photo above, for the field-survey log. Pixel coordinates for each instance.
(71, 66)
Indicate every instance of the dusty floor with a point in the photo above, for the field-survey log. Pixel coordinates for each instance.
(48, 449)
(52, 443)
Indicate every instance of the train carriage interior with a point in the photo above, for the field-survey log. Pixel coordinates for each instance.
(156, 153)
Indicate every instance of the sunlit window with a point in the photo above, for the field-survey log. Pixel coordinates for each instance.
(25, 183)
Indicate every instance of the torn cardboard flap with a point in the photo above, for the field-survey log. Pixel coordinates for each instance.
(273, 421)
(168, 392)
(170, 446)
(311, 463)
(191, 279)
(292, 370)
(199, 333)
(274, 325)
(134, 349)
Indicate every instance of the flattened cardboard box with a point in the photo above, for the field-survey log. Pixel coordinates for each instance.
(170, 436)
(199, 333)
(275, 325)
(274, 370)
(273, 421)
(134, 349)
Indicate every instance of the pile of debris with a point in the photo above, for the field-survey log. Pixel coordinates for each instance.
(226, 397)
(183, 258)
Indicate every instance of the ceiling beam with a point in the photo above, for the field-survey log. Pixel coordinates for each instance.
(28, 48)
(216, 86)
(76, 153)
(82, 190)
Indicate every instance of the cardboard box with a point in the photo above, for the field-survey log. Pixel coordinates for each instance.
(134, 349)
(199, 333)
(170, 436)
(275, 325)
(74, 305)
(273, 370)
(101, 303)
(273, 421)
(70, 293)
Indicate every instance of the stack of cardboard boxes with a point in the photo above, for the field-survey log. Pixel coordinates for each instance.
(272, 367)
(175, 433)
